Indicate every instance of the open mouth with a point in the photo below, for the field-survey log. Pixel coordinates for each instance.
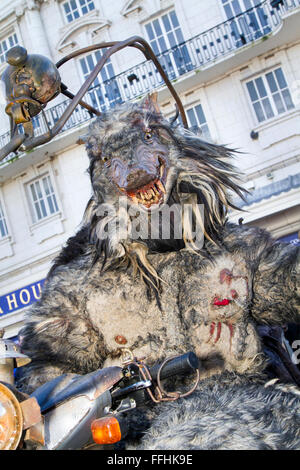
(151, 194)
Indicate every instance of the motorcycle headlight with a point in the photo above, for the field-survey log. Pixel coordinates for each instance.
(11, 419)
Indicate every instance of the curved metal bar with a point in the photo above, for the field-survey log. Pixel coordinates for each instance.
(172, 396)
(85, 87)
(39, 140)
(141, 44)
(91, 48)
(12, 145)
(154, 59)
(90, 109)
(113, 47)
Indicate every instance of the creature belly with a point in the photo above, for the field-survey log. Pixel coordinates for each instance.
(202, 309)
(137, 324)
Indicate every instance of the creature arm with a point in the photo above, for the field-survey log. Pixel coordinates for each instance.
(276, 285)
(58, 335)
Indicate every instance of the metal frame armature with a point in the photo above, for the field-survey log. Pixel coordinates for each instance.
(28, 141)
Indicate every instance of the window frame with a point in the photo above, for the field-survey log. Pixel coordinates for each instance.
(176, 53)
(3, 39)
(262, 76)
(79, 9)
(105, 79)
(4, 221)
(192, 107)
(245, 28)
(33, 204)
(205, 134)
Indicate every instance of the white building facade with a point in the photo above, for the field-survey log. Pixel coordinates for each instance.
(235, 65)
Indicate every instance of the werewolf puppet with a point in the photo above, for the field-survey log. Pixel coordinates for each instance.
(157, 296)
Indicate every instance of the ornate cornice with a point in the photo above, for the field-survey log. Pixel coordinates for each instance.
(19, 10)
(131, 6)
(94, 23)
(28, 5)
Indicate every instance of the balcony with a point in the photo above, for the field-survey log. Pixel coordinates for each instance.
(186, 59)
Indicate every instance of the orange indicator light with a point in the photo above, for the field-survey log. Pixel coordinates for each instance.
(106, 430)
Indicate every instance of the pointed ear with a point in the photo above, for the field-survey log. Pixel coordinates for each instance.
(150, 103)
(82, 139)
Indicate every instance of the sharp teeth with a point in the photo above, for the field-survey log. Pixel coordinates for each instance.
(149, 196)
(161, 170)
(161, 186)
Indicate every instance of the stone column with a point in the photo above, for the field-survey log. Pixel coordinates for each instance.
(30, 9)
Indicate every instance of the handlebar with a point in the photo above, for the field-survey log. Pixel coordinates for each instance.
(130, 393)
(184, 364)
(171, 367)
(105, 393)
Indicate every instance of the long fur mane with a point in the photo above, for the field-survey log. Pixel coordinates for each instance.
(199, 173)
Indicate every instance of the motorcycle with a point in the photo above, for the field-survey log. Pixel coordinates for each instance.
(82, 411)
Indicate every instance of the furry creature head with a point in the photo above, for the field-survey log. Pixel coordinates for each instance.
(137, 155)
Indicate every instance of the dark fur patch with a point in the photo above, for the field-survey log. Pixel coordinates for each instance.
(76, 246)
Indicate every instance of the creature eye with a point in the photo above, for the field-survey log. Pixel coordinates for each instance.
(105, 159)
(148, 135)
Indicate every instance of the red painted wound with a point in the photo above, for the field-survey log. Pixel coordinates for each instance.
(226, 276)
(234, 293)
(211, 331)
(219, 328)
(220, 303)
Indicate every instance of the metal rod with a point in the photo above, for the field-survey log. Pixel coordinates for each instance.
(84, 88)
(70, 95)
(12, 146)
(141, 44)
(135, 41)
(39, 140)
(91, 48)
(154, 59)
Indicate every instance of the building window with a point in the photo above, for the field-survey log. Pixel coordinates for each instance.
(6, 44)
(3, 226)
(247, 19)
(197, 121)
(73, 9)
(166, 39)
(270, 95)
(42, 198)
(104, 92)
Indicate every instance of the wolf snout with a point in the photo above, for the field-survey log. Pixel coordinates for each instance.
(140, 177)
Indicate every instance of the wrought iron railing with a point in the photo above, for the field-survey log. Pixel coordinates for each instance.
(223, 39)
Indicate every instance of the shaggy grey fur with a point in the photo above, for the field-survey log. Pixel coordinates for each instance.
(156, 297)
(228, 413)
(74, 325)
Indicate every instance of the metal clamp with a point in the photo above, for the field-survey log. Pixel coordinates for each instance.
(161, 393)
